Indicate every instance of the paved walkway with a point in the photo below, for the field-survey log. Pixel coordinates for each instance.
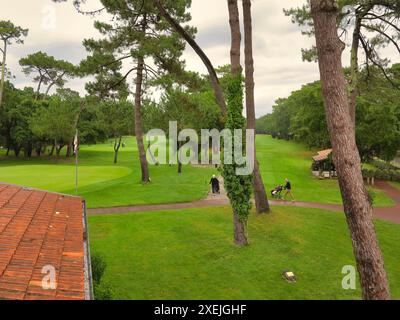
(388, 213)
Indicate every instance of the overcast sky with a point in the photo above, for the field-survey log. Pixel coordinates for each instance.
(59, 30)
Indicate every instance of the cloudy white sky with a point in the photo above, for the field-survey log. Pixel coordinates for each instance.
(59, 30)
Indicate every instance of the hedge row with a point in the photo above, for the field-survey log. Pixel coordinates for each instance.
(379, 174)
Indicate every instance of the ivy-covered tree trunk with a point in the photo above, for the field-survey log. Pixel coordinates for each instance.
(356, 202)
(138, 121)
(238, 187)
(260, 195)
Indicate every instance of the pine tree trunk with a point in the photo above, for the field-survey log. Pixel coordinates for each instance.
(260, 194)
(357, 207)
(52, 149)
(179, 167)
(179, 145)
(115, 156)
(354, 80)
(39, 87)
(117, 145)
(28, 151)
(138, 121)
(3, 72)
(8, 144)
(240, 236)
(235, 36)
(17, 150)
(69, 149)
(58, 150)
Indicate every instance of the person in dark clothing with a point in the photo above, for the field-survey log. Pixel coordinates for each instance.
(288, 188)
(214, 184)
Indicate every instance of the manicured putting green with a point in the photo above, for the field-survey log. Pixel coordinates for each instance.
(59, 177)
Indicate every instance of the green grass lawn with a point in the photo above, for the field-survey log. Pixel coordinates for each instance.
(188, 254)
(280, 159)
(396, 184)
(104, 184)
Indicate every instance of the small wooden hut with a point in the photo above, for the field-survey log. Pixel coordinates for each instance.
(323, 166)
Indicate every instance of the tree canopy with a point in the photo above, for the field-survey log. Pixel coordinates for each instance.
(301, 116)
(47, 70)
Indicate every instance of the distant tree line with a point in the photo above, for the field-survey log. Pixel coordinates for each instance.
(301, 116)
(35, 127)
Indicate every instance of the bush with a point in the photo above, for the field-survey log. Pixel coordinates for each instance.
(382, 174)
(98, 268)
(103, 291)
(385, 166)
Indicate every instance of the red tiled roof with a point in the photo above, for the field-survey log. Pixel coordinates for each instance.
(39, 229)
(322, 155)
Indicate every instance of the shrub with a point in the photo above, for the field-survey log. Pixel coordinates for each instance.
(382, 174)
(98, 267)
(384, 165)
(104, 291)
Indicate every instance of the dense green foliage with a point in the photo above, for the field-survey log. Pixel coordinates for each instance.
(378, 115)
(377, 27)
(136, 34)
(382, 170)
(238, 187)
(10, 33)
(47, 70)
(301, 117)
(191, 103)
(39, 127)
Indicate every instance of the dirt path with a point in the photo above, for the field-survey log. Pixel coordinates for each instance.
(389, 214)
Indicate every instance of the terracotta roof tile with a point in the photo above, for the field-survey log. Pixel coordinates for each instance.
(322, 155)
(39, 229)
